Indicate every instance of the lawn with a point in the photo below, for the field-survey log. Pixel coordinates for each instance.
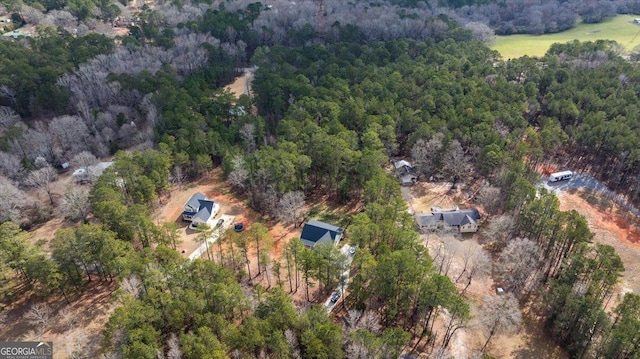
(620, 29)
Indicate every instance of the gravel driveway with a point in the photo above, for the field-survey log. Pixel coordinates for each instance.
(580, 181)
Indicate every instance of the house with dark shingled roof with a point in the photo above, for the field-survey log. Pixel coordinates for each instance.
(199, 209)
(463, 220)
(316, 232)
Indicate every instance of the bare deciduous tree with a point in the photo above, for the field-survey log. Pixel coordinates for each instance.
(32, 335)
(12, 201)
(67, 319)
(290, 207)
(84, 159)
(8, 118)
(500, 315)
(132, 285)
(75, 204)
(292, 340)
(425, 154)
(8, 92)
(11, 166)
(39, 315)
(248, 133)
(239, 175)
(455, 163)
(174, 347)
(71, 134)
(476, 264)
(499, 231)
(75, 342)
(444, 253)
(519, 265)
(370, 322)
(42, 178)
(491, 198)
(352, 318)
(481, 32)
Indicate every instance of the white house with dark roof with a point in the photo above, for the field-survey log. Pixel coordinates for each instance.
(463, 220)
(316, 232)
(199, 209)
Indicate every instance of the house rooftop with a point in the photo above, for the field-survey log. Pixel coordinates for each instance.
(206, 209)
(401, 163)
(194, 201)
(315, 231)
(452, 218)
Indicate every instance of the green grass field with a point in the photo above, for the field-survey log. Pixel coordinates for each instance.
(620, 29)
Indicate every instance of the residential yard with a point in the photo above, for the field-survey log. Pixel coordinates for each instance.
(529, 341)
(608, 222)
(216, 189)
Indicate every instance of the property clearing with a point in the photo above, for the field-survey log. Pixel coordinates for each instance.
(610, 226)
(242, 84)
(619, 28)
(530, 341)
(214, 187)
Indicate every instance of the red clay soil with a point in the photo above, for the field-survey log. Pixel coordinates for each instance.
(612, 221)
(546, 169)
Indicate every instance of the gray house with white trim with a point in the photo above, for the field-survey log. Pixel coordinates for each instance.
(199, 209)
(463, 220)
(316, 232)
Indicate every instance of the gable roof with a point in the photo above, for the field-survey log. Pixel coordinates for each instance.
(402, 163)
(315, 231)
(427, 219)
(461, 217)
(206, 208)
(452, 218)
(194, 202)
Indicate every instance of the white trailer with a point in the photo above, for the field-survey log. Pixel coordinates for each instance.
(560, 176)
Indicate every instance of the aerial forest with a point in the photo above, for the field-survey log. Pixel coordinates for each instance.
(335, 96)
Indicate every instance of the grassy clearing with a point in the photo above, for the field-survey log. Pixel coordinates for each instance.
(620, 29)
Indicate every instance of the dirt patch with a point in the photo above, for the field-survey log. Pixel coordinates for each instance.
(242, 84)
(424, 195)
(82, 331)
(611, 227)
(546, 169)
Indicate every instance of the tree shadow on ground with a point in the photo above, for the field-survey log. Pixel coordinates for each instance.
(536, 344)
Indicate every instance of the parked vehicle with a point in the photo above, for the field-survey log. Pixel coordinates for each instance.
(335, 296)
(560, 176)
(220, 222)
